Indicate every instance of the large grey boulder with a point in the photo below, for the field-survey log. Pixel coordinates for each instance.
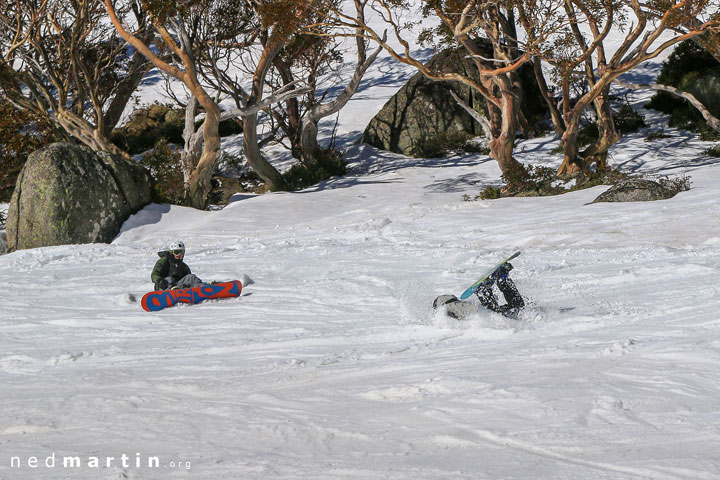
(68, 194)
(424, 110)
(637, 190)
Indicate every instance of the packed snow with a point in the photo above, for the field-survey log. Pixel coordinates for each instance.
(332, 364)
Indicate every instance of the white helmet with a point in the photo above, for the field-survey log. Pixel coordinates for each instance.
(176, 246)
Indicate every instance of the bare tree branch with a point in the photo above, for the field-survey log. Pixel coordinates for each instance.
(278, 97)
(481, 119)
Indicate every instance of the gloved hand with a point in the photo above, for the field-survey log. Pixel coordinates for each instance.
(166, 283)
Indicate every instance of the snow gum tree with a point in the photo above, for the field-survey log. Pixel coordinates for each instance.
(61, 61)
(190, 32)
(312, 55)
(461, 23)
(269, 29)
(179, 63)
(649, 29)
(570, 35)
(293, 52)
(710, 40)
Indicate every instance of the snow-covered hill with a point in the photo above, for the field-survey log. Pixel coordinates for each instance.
(332, 364)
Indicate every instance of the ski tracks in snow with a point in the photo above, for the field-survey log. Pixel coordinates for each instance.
(475, 438)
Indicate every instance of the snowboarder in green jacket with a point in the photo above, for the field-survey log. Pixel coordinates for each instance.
(171, 272)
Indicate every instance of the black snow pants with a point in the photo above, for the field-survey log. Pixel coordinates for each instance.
(513, 299)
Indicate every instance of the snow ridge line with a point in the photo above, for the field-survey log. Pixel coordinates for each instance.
(502, 441)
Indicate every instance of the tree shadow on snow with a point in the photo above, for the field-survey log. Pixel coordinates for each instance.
(384, 72)
(646, 73)
(457, 184)
(239, 197)
(365, 161)
(343, 182)
(641, 158)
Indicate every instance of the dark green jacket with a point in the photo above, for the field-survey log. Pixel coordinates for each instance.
(168, 266)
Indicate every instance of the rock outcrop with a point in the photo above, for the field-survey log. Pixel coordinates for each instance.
(424, 110)
(637, 190)
(68, 194)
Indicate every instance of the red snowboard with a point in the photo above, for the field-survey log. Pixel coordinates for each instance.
(154, 301)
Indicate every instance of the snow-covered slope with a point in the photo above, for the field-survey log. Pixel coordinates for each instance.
(332, 364)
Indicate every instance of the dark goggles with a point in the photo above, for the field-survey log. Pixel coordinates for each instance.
(177, 253)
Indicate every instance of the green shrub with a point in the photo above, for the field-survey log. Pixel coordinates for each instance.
(689, 68)
(490, 193)
(688, 58)
(677, 184)
(682, 114)
(230, 127)
(713, 151)
(148, 126)
(708, 134)
(329, 164)
(229, 165)
(519, 178)
(223, 188)
(591, 179)
(225, 128)
(447, 143)
(628, 120)
(558, 149)
(544, 181)
(588, 134)
(166, 169)
(656, 135)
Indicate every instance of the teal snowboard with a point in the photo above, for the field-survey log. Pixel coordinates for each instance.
(486, 279)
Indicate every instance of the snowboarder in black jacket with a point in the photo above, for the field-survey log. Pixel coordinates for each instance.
(171, 272)
(514, 301)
